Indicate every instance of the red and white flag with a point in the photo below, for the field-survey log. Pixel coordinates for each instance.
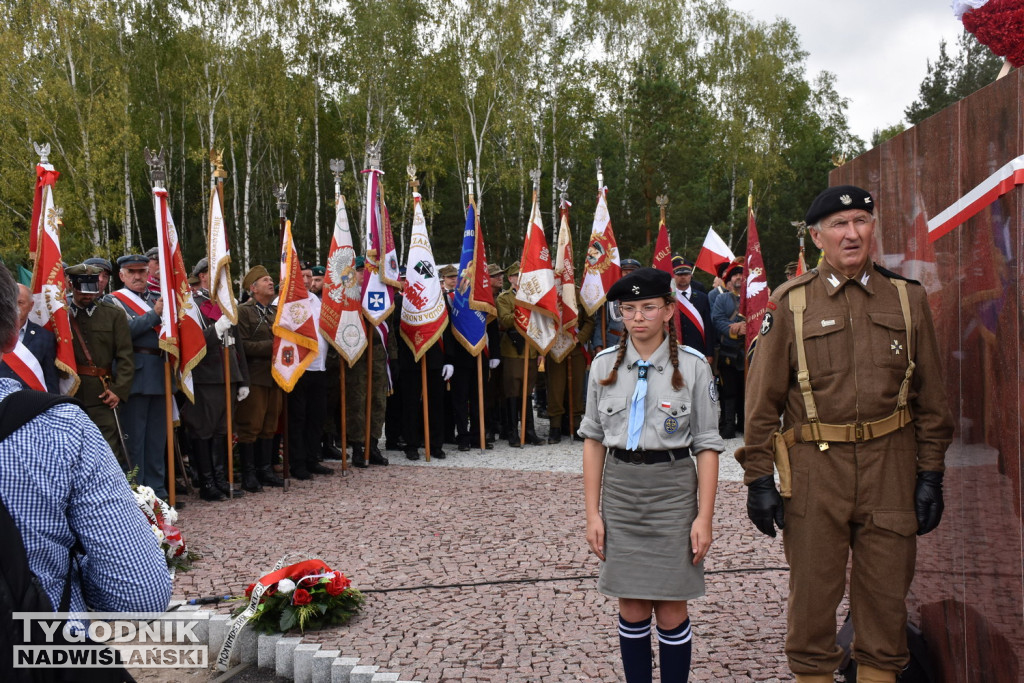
(49, 307)
(754, 300)
(601, 265)
(181, 332)
(218, 255)
(295, 337)
(341, 318)
(26, 366)
(536, 310)
(714, 253)
(662, 249)
(424, 315)
(980, 196)
(381, 258)
(565, 283)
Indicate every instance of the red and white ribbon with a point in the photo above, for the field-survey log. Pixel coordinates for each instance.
(986, 192)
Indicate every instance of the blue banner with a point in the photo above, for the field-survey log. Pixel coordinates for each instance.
(470, 326)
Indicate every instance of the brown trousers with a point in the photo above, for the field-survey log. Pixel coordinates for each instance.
(859, 498)
(558, 380)
(258, 413)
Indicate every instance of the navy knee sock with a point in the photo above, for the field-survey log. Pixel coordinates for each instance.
(674, 650)
(635, 644)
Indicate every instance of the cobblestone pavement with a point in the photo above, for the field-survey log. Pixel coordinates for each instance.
(476, 568)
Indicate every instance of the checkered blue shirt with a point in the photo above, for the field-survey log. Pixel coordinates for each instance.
(60, 481)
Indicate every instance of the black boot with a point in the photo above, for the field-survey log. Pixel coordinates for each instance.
(512, 411)
(376, 457)
(204, 470)
(358, 457)
(265, 470)
(218, 453)
(555, 435)
(727, 420)
(531, 433)
(247, 454)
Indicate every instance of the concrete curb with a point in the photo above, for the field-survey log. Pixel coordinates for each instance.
(287, 656)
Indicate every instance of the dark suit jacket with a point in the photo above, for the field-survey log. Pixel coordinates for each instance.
(691, 335)
(43, 345)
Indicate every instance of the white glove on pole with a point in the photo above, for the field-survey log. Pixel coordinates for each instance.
(221, 326)
(447, 371)
(243, 392)
(493, 363)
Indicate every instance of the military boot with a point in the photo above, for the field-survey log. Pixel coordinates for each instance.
(512, 410)
(555, 435)
(204, 469)
(531, 433)
(219, 456)
(264, 463)
(247, 454)
(358, 456)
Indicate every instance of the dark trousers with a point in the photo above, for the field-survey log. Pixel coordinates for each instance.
(393, 421)
(144, 419)
(466, 401)
(306, 412)
(412, 406)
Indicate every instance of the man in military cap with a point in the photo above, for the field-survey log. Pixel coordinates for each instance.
(848, 358)
(731, 328)
(513, 348)
(106, 270)
(791, 270)
(693, 308)
(449, 277)
(144, 415)
(206, 418)
(317, 285)
(103, 354)
(258, 412)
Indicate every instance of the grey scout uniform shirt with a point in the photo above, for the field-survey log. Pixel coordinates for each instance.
(672, 419)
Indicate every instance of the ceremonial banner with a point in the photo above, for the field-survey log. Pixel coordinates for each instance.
(473, 300)
(295, 338)
(663, 250)
(181, 332)
(714, 252)
(601, 266)
(49, 307)
(45, 177)
(218, 254)
(424, 315)
(801, 263)
(565, 283)
(536, 310)
(341, 320)
(381, 275)
(663, 261)
(754, 300)
(26, 366)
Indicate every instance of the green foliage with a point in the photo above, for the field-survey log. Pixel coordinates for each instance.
(277, 612)
(880, 135)
(952, 78)
(683, 98)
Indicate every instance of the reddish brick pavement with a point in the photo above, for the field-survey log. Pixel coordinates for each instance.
(406, 527)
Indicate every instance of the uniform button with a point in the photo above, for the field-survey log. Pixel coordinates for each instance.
(661, 368)
(675, 412)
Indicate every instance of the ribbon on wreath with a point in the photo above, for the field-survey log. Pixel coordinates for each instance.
(972, 203)
(259, 588)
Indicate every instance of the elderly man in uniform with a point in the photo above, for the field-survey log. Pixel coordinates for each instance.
(206, 419)
(259, 411)
(847, 356)
(513, 348)
(103, 354)
(144, 418)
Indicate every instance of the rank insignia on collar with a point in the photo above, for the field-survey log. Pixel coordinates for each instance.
(864, 278)
(833, 280)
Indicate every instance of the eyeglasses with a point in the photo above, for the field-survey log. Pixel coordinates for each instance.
(857, 221)
(629, 311)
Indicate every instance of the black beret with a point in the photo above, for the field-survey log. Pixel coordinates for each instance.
(132, 260)
(642, 283)
(836, 199)
(629, 263)
(320, 271)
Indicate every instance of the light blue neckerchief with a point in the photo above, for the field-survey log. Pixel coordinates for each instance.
(636, 408)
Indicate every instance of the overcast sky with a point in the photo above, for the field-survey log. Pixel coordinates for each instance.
(878, 49)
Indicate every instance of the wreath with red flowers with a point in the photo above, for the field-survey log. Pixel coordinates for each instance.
(999, 25)
(307, 595)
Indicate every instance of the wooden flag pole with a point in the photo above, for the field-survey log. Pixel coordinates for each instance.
(170, 431)
(369, 393)
(282, 208)
(426, 410)
(343, 432)
(480, 399)
(526, 377)
(230, 430)
(569, 389)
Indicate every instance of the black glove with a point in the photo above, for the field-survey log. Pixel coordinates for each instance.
(764, 505)
(928, 501)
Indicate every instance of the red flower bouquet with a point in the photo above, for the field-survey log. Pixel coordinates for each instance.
(304, 595)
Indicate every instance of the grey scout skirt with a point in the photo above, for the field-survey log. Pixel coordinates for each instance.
(648, 511)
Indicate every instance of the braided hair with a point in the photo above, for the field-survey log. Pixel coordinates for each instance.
(677, 377)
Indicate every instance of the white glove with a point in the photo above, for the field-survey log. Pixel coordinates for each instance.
(221, 326)
(243, 392)
(493, 363)
(447, 371)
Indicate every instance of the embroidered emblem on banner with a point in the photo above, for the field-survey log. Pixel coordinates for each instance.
(766, 324)
(671, 425)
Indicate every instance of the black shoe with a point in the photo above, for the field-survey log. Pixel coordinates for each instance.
(230, 492)
(463, 447)
(514, 443)
(211, 493)
(489, 445)
(300, 474)
(555, 435)
(330, 452)
(376, 457)
(319, 469)
(534, 440)
(360, 463)
(412, 454)
(440, 454)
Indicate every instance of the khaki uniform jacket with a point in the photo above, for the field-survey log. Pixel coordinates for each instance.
(856, 347)
(672, 419)
(506, 305)
(109, 340)
(256, 335)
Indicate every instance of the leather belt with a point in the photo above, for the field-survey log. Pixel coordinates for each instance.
(650, 457)
(857, 432)
(93, 371)
(146, 350)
